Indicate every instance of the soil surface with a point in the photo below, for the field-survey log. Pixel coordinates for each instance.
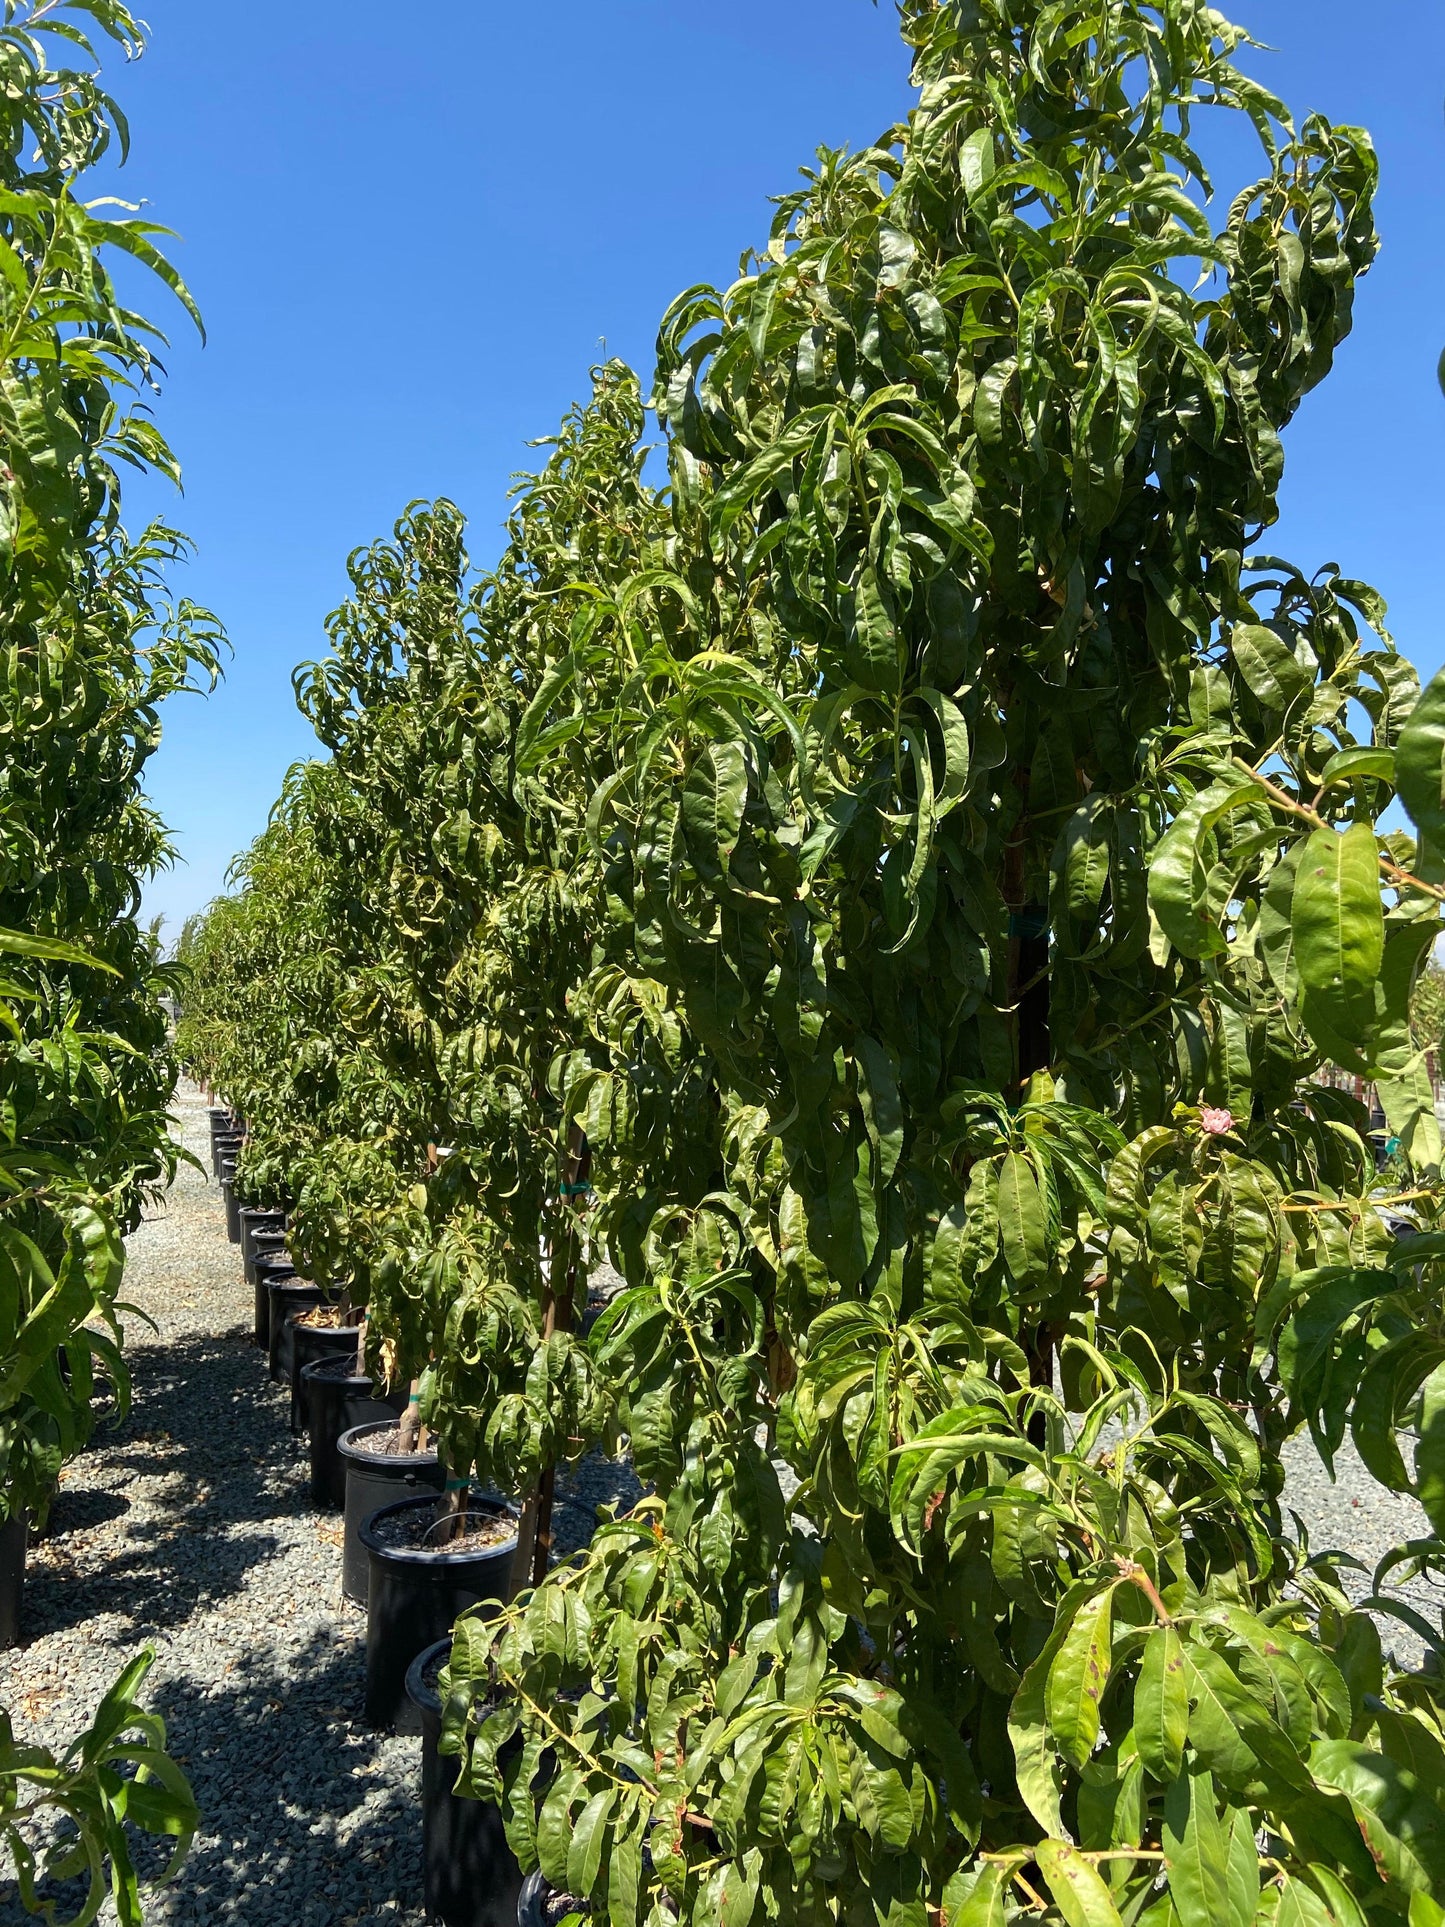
(187, 1529)
(424, 1529)
(387, 1445)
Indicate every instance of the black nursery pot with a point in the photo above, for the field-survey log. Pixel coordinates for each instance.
(471, 1875)
(231, 1200)
(272, 1260)
(288, 1295)
(414, 1594)
(264, 1244)
(308, 1344)
(258, 1224)
(373, 1481)
(13, 1535)
(268, 1271)
(225, 1146)
(338, 1399)
(540, 1905)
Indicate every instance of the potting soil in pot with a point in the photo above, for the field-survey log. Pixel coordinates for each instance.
(556, 1907)
(386, 1445)
(449, 1532)
(325, 1318)
(541, 1905)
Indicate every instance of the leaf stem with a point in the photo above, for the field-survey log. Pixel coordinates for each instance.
(1136, 1574)
(1406, 879)
(1363, 1204)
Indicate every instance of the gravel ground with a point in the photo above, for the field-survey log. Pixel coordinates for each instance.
(187, 1529)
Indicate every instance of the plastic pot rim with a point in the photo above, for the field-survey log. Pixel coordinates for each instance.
(434, 1558)
(425, 1698)
(293, 1316)
(348, 1448)
(320, 1368)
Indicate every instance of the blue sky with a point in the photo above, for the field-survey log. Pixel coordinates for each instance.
(412, 231)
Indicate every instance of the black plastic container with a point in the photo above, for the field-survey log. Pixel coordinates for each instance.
(288, 1295)
(338, 1399)
(13, 1535)
(223, 1125)
(226, 1145)
(471, 1875)
(264, 1244)
(308, 1344)
(255, 1223)
(269, 1271)
(272, 1262)
(414, 1594)
(231, 1199)
(540, 1905)
(373, 1481)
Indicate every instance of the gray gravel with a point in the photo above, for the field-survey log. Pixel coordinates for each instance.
(1356, 1515)
(187, 1529)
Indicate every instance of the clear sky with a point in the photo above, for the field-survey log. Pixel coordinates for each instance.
(412, 231)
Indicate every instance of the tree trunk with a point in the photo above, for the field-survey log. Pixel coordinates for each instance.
(409, 1426)
(534, 1529)
(1028, 1003)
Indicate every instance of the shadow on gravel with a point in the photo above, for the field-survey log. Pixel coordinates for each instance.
(81, 1510)
(303, 1827)
(300, 1828)
(224, 1466)
(581, 1489)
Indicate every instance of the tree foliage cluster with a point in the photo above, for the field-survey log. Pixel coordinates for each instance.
(932, 852)
(91, 643)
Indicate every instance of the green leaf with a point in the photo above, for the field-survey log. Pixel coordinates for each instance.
(873, 651)
(1021, 1221)
(589, 1837)
(1161, 1704)
(714, 801)
(986, 1902)
(1074, 1882)
(1036, 1762)
(1179, 870)
(1348, 765)
(51, 950)
(1276, 926)
(1078, 1677)
(624, 1882)
(1403, 1827)
(1272, 671)
(1242, 1868)
(1420, 759)
(976, 162)
(1194, 1851)
(1338, 923)
(1430, 1449)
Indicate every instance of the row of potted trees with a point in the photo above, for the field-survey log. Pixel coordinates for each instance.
(906, 873)
(418, 1549)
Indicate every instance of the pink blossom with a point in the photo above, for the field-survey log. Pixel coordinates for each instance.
(1216, 1123)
